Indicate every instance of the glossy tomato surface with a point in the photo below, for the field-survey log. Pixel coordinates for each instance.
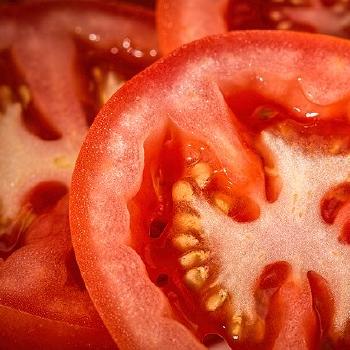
(183, 21)
(59, 62)
(212, 195)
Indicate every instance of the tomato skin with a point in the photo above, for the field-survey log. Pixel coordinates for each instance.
(110, 166)
(182, 21)
(51, 308)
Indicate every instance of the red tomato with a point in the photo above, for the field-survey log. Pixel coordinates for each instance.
(199, 194)
(183, 21)
(82, 44)
(44, 303)
(59, 62)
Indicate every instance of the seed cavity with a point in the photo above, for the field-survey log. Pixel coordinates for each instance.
(201, 173)
(182, 191)
(184, 242)
(216, 300)
(162, 280)
(193, 258)
(195, 278)
(156, 228)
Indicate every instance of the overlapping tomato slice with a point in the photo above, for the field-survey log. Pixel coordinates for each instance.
(59, 62)
(211, 196)
(180, 22)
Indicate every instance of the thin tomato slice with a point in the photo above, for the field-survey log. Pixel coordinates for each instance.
(200, 193)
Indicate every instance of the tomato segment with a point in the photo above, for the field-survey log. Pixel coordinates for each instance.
(156, 212)
(89, 50)
(51, 301)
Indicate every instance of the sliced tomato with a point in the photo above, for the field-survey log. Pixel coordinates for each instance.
(59, 62)
(44, 303)
(183, 21)
(200, 193)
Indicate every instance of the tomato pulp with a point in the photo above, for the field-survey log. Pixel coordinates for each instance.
(229, 214)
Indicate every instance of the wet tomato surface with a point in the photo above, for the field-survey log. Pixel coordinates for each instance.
(212, 195)
(59, 62)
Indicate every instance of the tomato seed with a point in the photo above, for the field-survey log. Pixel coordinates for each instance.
(184, 242)
(196, 277)
(193, 258)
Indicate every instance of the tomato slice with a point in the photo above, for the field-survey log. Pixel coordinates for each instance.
(59, 62)
(199, 195)
(44, 302)
(183, 21)
(85, 60)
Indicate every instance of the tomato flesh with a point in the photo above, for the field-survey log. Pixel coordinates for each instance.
(157, 186)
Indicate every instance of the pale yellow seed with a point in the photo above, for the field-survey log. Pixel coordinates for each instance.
(284, 25)
(235, 328)
(196, 277)
(216, 300)
(182, 191)
(24, 94)
(275, 16)
(110, 85)
(201, 173)
(193, 258)
(62, 162)
(222, 202)
(184, 242)
(186, 222)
